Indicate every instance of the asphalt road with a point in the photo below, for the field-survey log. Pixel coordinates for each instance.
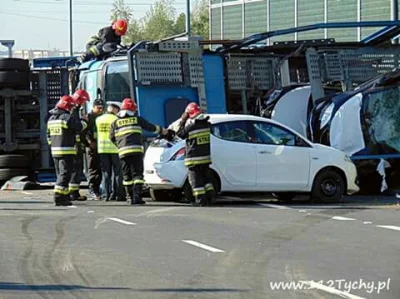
(169, 250)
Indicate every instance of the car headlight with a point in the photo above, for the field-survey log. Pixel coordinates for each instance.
(326, 115)
(348, 159)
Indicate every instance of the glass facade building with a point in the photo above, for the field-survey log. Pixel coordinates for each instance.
(236, 19)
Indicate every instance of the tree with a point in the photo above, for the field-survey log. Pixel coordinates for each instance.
(200, 19)
(159, 20)
(122, 11)
(180, 24)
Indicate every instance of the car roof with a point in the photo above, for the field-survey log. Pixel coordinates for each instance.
(218, 118)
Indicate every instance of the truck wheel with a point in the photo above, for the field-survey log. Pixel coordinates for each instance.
(328, 187)
(14, 64)
(13, 161)
(15, 80)
(8, 173)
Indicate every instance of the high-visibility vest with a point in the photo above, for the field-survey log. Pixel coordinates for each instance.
(103, 125)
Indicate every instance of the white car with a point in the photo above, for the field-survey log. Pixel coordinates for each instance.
(254, 154)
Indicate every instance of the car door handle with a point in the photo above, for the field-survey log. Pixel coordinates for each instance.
(264, 152)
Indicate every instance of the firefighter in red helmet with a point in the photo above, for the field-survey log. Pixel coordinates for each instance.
(110, 34)
(80, 97)
(127, 134)
(62, 127)
(195, 128)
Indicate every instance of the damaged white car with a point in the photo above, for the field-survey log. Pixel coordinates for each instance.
(253, 154)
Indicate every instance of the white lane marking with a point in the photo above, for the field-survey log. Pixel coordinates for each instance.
(72, 207)
(27, 193)
(206, 247)
(156, 212)
(367, 222)
(268, 205)
(303, 211)
(121, 221)
(330, 290)
(342, 218)
(90, 212)
(392, 227)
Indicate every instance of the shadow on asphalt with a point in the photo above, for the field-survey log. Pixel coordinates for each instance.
(11, 286)
(187, 290)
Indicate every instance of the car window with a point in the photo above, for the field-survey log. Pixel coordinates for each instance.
(232, 131)
(267, 133)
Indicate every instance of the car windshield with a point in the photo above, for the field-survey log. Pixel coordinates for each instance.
(117, 81)
(381, 119)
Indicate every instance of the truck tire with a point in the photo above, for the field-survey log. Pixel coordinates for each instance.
(13, 161)
(14, 64)
(10, 79)
(8, 173)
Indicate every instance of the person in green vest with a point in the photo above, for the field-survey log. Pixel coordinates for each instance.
(110, 165)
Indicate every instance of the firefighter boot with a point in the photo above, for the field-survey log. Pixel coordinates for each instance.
(75, 196)
(62, 200)
(129, 193)
(137, 195)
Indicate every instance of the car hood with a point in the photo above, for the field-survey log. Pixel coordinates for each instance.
(328, 149)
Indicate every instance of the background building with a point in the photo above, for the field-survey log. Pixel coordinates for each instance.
(235, 19)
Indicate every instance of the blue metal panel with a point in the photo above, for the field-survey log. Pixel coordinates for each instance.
(213, 69)
(53, 62)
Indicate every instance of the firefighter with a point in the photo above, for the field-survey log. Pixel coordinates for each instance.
(110, 34)
(62, 126)
(110, 164)
(80, 97)
(127, 134)
(94, 172)
(195, 128)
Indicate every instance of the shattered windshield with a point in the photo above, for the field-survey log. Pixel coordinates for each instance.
(381, 117)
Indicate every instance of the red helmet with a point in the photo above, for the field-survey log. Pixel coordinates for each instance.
(81, 97)
(193, 110)
(65, 103)
(129, 104)
(120, 27)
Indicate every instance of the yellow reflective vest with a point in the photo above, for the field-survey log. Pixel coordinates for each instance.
(103, 126)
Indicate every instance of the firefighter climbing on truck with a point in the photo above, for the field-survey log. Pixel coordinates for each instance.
(62, 126)
(107, 35)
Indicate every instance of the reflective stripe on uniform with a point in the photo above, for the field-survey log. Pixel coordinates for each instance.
(73, 187)
(63, 151)
(209, 187)
(199, 191)
(130, 149)
(61, 190)
(138, 182)
(197, 160)
(84, 125)
(199, 133)
(127, 183)
(94, 51)
(128, 130)
(57, 124)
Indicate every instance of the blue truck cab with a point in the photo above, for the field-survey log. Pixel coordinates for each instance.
(160, 83)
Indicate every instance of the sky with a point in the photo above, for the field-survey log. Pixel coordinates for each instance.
(44, 24)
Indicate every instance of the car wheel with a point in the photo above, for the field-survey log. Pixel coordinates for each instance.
(284, 196)
(13, 161)
(328, 186)
(159, 195)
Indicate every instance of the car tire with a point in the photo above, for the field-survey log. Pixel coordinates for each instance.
(284, 196)
(10, 79)
(9, 173)
(13, 161)
(328, 187)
